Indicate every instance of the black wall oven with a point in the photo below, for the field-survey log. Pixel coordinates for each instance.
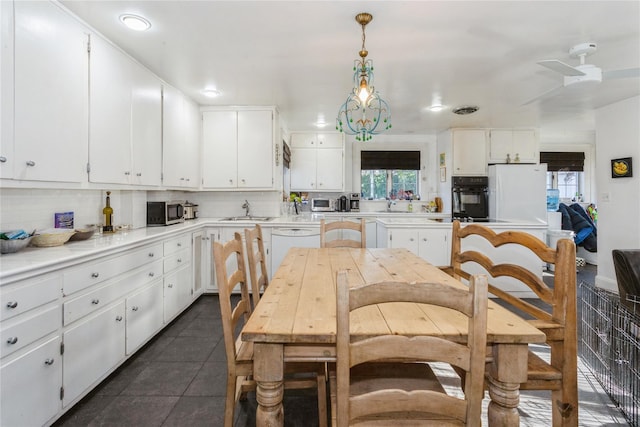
(470, 197)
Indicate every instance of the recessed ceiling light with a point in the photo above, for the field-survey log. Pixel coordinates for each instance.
(436, 108)
(321, 122)
(211, 93)
(135, 22)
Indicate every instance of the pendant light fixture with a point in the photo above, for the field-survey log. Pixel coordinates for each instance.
(364, 113)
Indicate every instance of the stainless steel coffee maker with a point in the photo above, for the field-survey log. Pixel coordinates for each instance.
(354, 202)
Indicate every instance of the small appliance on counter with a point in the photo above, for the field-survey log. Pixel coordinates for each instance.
(190, 211)
(354, 202)
(321, 204)
(164, 213)
(342, 204)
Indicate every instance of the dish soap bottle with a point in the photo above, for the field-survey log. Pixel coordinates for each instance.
(108, 215)
(410, 207)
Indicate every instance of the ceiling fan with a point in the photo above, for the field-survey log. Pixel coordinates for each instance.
(583, 74)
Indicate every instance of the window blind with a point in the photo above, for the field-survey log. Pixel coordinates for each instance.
(563, 161)
(374, 160)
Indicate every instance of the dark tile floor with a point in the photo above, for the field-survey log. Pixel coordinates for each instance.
(178, 379)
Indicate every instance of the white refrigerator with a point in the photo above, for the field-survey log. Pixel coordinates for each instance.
(518, 192)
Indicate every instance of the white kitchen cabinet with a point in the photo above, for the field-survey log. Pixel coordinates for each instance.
(238, 149)
(469, 150)
(317, 162)
(92, 349)
(144, 315)
(50, 95)
(202, 260)
(125, 131)
(513, 146)
(31, 386)
(181, 140)
(178, 285)
(432, 245)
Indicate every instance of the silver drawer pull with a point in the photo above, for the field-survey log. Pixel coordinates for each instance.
(12, 340)
(179, 259)
(150, 254)
(134, 308)
(95, 275)
(95, 301)
(31, 163)
(3, 159)
(138, 174)
(12, 304)
(127, 173)
(118, 318)
(151, 274)
(170, 285)
(48, 361)
(179, 244)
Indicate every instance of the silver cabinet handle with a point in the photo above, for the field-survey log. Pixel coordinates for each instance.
(127, 173)
(424, 239)
(151, 274)
(139, 174)
(95, 301)
(12, 304)
(411, 239)
(31, 163)
(179, 244)
(179, 259)
(118, 318)
(170, 285)
(150, 254)
(12, 340)
(3, 159)
(49, 361)
(134, 308)
(95, 275)
(230, 181)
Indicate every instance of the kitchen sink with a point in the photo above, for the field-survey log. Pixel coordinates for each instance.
(247, 218)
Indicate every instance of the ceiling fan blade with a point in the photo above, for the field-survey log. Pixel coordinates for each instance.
(621, 74)
(561, 67)
(547, 94)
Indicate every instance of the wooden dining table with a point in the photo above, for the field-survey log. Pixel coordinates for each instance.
(295, 320)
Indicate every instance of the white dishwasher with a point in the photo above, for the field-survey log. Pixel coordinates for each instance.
(283, 239)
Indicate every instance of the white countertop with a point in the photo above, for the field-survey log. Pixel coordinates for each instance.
(34, 260)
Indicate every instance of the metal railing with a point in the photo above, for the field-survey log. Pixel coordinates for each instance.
(610, 346)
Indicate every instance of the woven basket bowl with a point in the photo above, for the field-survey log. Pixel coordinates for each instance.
(11, 246)
(82, 234)
(47, 240)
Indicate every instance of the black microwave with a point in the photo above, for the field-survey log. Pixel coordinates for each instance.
(164, 213)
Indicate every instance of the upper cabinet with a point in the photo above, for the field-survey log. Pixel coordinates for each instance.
(50, 107)
(238, 149)
(125, 126)
(181, 140)
(469, 152)
(513, 146)
(317, 162)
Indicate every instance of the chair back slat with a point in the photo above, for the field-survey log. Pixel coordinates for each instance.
(337, 226)
(256, 258)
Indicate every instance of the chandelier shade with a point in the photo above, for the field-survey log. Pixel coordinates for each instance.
(364, 113)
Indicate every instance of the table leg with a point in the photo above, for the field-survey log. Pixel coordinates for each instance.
(507, 370)
(268, 365)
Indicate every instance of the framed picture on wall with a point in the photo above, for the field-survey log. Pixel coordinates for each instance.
(621, 168)
(442, 159)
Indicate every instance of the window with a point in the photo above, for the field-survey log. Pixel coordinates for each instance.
(389, 174)
(565, 172)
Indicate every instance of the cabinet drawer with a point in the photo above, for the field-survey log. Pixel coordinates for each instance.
(104, 295)
(96, 272)
(29, 330)
(24, 296)
(177, 244)
(179, 259)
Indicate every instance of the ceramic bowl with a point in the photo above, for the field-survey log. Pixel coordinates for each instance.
(11, 246)
(82, 234)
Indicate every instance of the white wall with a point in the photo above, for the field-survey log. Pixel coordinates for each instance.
(617, 135)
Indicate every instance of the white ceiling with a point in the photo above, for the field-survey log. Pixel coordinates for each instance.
(298, 55)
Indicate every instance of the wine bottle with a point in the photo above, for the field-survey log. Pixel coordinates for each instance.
(108, 215)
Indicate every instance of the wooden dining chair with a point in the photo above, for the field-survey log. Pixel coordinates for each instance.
(239, 353)
(556, 318)
(256, 257)
(379, 380)
(335, 226)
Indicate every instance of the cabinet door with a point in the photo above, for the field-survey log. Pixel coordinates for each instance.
(177, 292)
(525, 145)
(146, 127)
(469, 152)
(92, 349)
(110, 106)
(434, 246)
(220, 151)
(208, 268)
(7, 106)
(330, 140)
(500, 145)
(405, 238)
(50, 107)
(303, 140)
(190, 162)
(303, 169)
(255, 149)
(144, 315)
(31, 385)
(329, 172)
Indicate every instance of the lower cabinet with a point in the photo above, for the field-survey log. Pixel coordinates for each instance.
(30, 386)
(177, 292)
(92, 349)
(431, 244)
(144, 315)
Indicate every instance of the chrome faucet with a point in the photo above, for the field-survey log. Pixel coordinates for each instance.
(246, 206)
